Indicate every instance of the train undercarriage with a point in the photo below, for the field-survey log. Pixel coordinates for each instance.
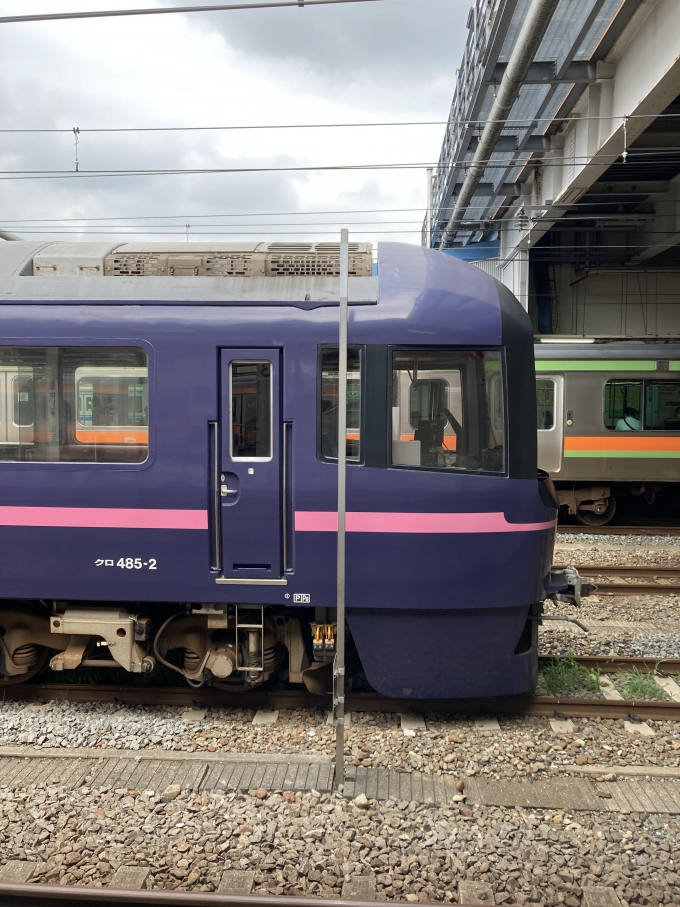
(232, 647)
(596, 504)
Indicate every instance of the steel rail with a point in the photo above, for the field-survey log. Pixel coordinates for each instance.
(638, 589)
(36, 895)
(615, 664)
(369, 702)
(641, 570)
(626, 588)
(618, 530)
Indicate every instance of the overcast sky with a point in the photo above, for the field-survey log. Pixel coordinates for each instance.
(364, 62)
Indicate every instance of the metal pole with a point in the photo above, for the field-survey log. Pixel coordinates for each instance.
(429, 208)
(339, 668)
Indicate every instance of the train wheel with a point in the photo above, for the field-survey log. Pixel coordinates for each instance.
(590, 518)
(36, 657)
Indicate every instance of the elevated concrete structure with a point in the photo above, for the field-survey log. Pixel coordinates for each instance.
(582, 188)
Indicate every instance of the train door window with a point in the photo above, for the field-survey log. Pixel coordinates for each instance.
(328, 404)
(251, 410)
(662, 406)
(75, 404)
(545, 404)
(447, 409)
(623, 405)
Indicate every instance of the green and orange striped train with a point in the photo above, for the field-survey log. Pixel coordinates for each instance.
(608, 421)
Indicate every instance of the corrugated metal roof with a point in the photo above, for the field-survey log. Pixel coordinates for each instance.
(534, 101)
(597, 30)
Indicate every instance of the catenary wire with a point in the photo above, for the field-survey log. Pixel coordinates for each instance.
(228, 128)
(23, 175)
(421, 208)
(411, 165)
(180, 229)
(526, 123)
(156, 11)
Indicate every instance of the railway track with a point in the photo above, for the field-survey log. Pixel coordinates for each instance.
(618, 530)
(36, 895)
(537, 706)
(664, 580)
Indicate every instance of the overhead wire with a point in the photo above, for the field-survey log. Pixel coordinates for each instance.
(421, 208)
(230, 128)
(162, 10)
(410, 165)
(525, 123)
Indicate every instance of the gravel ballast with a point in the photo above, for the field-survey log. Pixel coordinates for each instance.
(523, 746)
(308, 844)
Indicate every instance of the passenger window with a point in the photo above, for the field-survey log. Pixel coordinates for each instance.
(113, 405)
(545, 403)
(623, 405)
(638, 405)
(75, 404)
(329, 404)
(251, 410)
(662, 406)
(447, 409)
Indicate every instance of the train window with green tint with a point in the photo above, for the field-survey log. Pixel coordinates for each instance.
(642, 405)
(662, 406)
(623, 404)
(545, 403)
(328, 404)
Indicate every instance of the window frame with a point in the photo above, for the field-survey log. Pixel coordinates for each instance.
(361, 347)
(453, 470)
(540, 377)
(644, 383)
(87, 343)
(230, 413)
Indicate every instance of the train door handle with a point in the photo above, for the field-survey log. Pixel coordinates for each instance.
(224, 491)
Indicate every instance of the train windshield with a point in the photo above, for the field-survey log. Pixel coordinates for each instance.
(74, 404)
(447, 409)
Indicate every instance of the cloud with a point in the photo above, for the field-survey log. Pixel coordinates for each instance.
(373, 61)
(398, 55)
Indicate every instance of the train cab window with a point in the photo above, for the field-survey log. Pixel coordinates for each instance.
(642, 405)
(545, 404)
(251, 410)
(447, 410)
(328, 404)
(74, 404)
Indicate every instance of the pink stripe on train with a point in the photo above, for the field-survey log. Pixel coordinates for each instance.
(327, 521)
(103, 518)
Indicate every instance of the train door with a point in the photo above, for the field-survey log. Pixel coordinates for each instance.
(550, 419)
(250, 488)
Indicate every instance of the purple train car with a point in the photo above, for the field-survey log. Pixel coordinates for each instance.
(168, 450)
